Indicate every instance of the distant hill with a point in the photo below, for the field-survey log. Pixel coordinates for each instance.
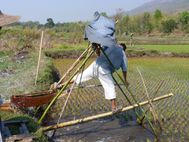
(166, 6)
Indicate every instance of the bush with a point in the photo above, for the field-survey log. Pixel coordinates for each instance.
(169, 25)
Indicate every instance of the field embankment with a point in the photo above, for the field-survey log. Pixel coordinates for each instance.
(17, 76)
(72, 51)
(18, 71)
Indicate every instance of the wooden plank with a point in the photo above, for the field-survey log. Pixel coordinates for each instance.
(94, 117)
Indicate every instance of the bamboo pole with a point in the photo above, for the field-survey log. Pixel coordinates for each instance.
(158, 87)
(152, 108)
(64, 87)
(70, 90)
(128, 91)
(64, 106)
(73, 65)
(94, 117)
(39, 58)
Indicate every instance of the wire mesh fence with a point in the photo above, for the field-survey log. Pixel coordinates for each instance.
(173, 112)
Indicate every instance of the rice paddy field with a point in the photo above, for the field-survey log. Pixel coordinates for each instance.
(161, 76)
(166, 48)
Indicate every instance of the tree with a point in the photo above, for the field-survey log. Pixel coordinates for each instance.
(125, 24)
(146, 23)
(158, 15)
(169, 25)
(157, 18)
(50, 23)
(31, 24)
(184, 20)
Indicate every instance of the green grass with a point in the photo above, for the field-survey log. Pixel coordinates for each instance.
(16, 116)
(165, 48)
(68, 50)
(178, 67)
(4, 53)
(21, 81)
(21, 74)
(4, 59)
(66, 47)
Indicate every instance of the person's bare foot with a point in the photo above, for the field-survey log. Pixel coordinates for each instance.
(117, 109)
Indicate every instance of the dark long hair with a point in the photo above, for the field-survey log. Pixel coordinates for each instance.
(123, 46)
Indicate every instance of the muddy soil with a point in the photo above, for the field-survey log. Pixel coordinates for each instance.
(103, 130)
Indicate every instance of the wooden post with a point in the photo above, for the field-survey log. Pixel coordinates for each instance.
(94, 117)
(39, 58)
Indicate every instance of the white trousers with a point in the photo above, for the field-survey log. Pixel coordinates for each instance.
(95, 71)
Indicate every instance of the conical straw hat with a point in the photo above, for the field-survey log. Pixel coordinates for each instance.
(7, 19)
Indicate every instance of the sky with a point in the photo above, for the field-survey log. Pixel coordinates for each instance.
(64, 10)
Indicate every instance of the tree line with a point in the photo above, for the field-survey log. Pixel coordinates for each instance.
(145, 23)
(153, 22)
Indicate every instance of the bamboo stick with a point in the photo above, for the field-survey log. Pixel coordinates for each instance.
(73, 65)
(128, 91)
(70, 93)
(152, 108)
(94, 117)
(39, 58)
(64, 87)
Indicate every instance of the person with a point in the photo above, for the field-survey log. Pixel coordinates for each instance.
(102, 69)
(124, 47)
(101, 34)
